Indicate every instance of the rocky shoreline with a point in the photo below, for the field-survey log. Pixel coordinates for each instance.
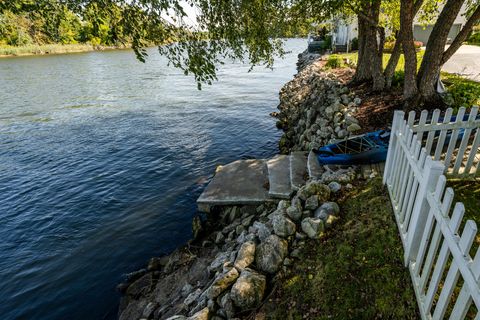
(240, 252)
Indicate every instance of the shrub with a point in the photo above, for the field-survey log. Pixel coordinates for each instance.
(388, 46)
(417, 44)
(462, 92)
(334, 61)
(354, 44)
(398, 78)
(474, 38)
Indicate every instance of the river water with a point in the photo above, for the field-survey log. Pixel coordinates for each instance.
(101, 161)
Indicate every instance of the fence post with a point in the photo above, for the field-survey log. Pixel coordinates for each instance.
(392, 145)
(431, 173)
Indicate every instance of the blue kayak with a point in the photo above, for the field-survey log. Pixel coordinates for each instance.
(365, 149)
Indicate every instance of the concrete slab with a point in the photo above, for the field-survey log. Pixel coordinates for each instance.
(314, 169)
(279, 177)
(240, 182)
(298, 168)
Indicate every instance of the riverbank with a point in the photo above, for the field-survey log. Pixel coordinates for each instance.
(242, 255)
(47, 49)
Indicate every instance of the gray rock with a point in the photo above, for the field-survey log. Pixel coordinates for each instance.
(313, 227)
(282, 205)
(245, 256)
(294, 212)
(312, 202)
(197, 227)
(219, 260)
(331, 208)
(269, 254)
(178, 317)
(295, 253)
(157, 263)
(242, 237)
(247, 221)
(203, 314)
(342, 134)
(335, 186)
(357, 101)
(282, 226)
(353, 127)
(192, 297)
(186, 289)
(149, 309)
(221, 283)
(227, 305)
(261, 230)
(248, 290)
(220, 238)
(350, 119)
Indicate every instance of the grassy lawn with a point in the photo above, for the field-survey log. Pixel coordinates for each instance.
(353, 56)
(355, 272)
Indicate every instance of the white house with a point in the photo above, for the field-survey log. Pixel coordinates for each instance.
(344, 31)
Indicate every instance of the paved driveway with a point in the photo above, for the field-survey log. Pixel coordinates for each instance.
(465, 62)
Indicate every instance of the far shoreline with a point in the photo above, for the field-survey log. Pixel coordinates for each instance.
(53, 49)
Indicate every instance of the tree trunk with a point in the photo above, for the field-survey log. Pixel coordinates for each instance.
(369, 65)
(397, 51)
(406, 30)
(462, 36)
(362, 72)
(393, 61)
(432, 59)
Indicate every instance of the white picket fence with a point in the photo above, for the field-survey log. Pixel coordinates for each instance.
(421, 154)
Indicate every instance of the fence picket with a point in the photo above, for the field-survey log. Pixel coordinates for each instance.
(465, 243)
(464, 299)
(416, 182)
(431, 134)
(443, 134)
(429, 226)
(464, 143)
(435, 242)
(443, 256)
(473, 153)
(421, 123)
(453, 138)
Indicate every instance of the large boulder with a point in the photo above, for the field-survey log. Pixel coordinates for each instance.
(222, 282)
(282, 226)
(249, 289)
(313, 227)
(245, 256)
(270, 253)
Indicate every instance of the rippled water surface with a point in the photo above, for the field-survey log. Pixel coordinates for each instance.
(101, 161)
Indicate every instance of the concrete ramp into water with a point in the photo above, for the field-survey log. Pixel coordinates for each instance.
(243, 182)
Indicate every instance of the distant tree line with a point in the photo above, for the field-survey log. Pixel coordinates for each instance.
(24, 22)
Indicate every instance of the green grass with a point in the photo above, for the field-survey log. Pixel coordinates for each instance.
(353, 57)
(355, 272)
(43, 49)
(468, 192)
